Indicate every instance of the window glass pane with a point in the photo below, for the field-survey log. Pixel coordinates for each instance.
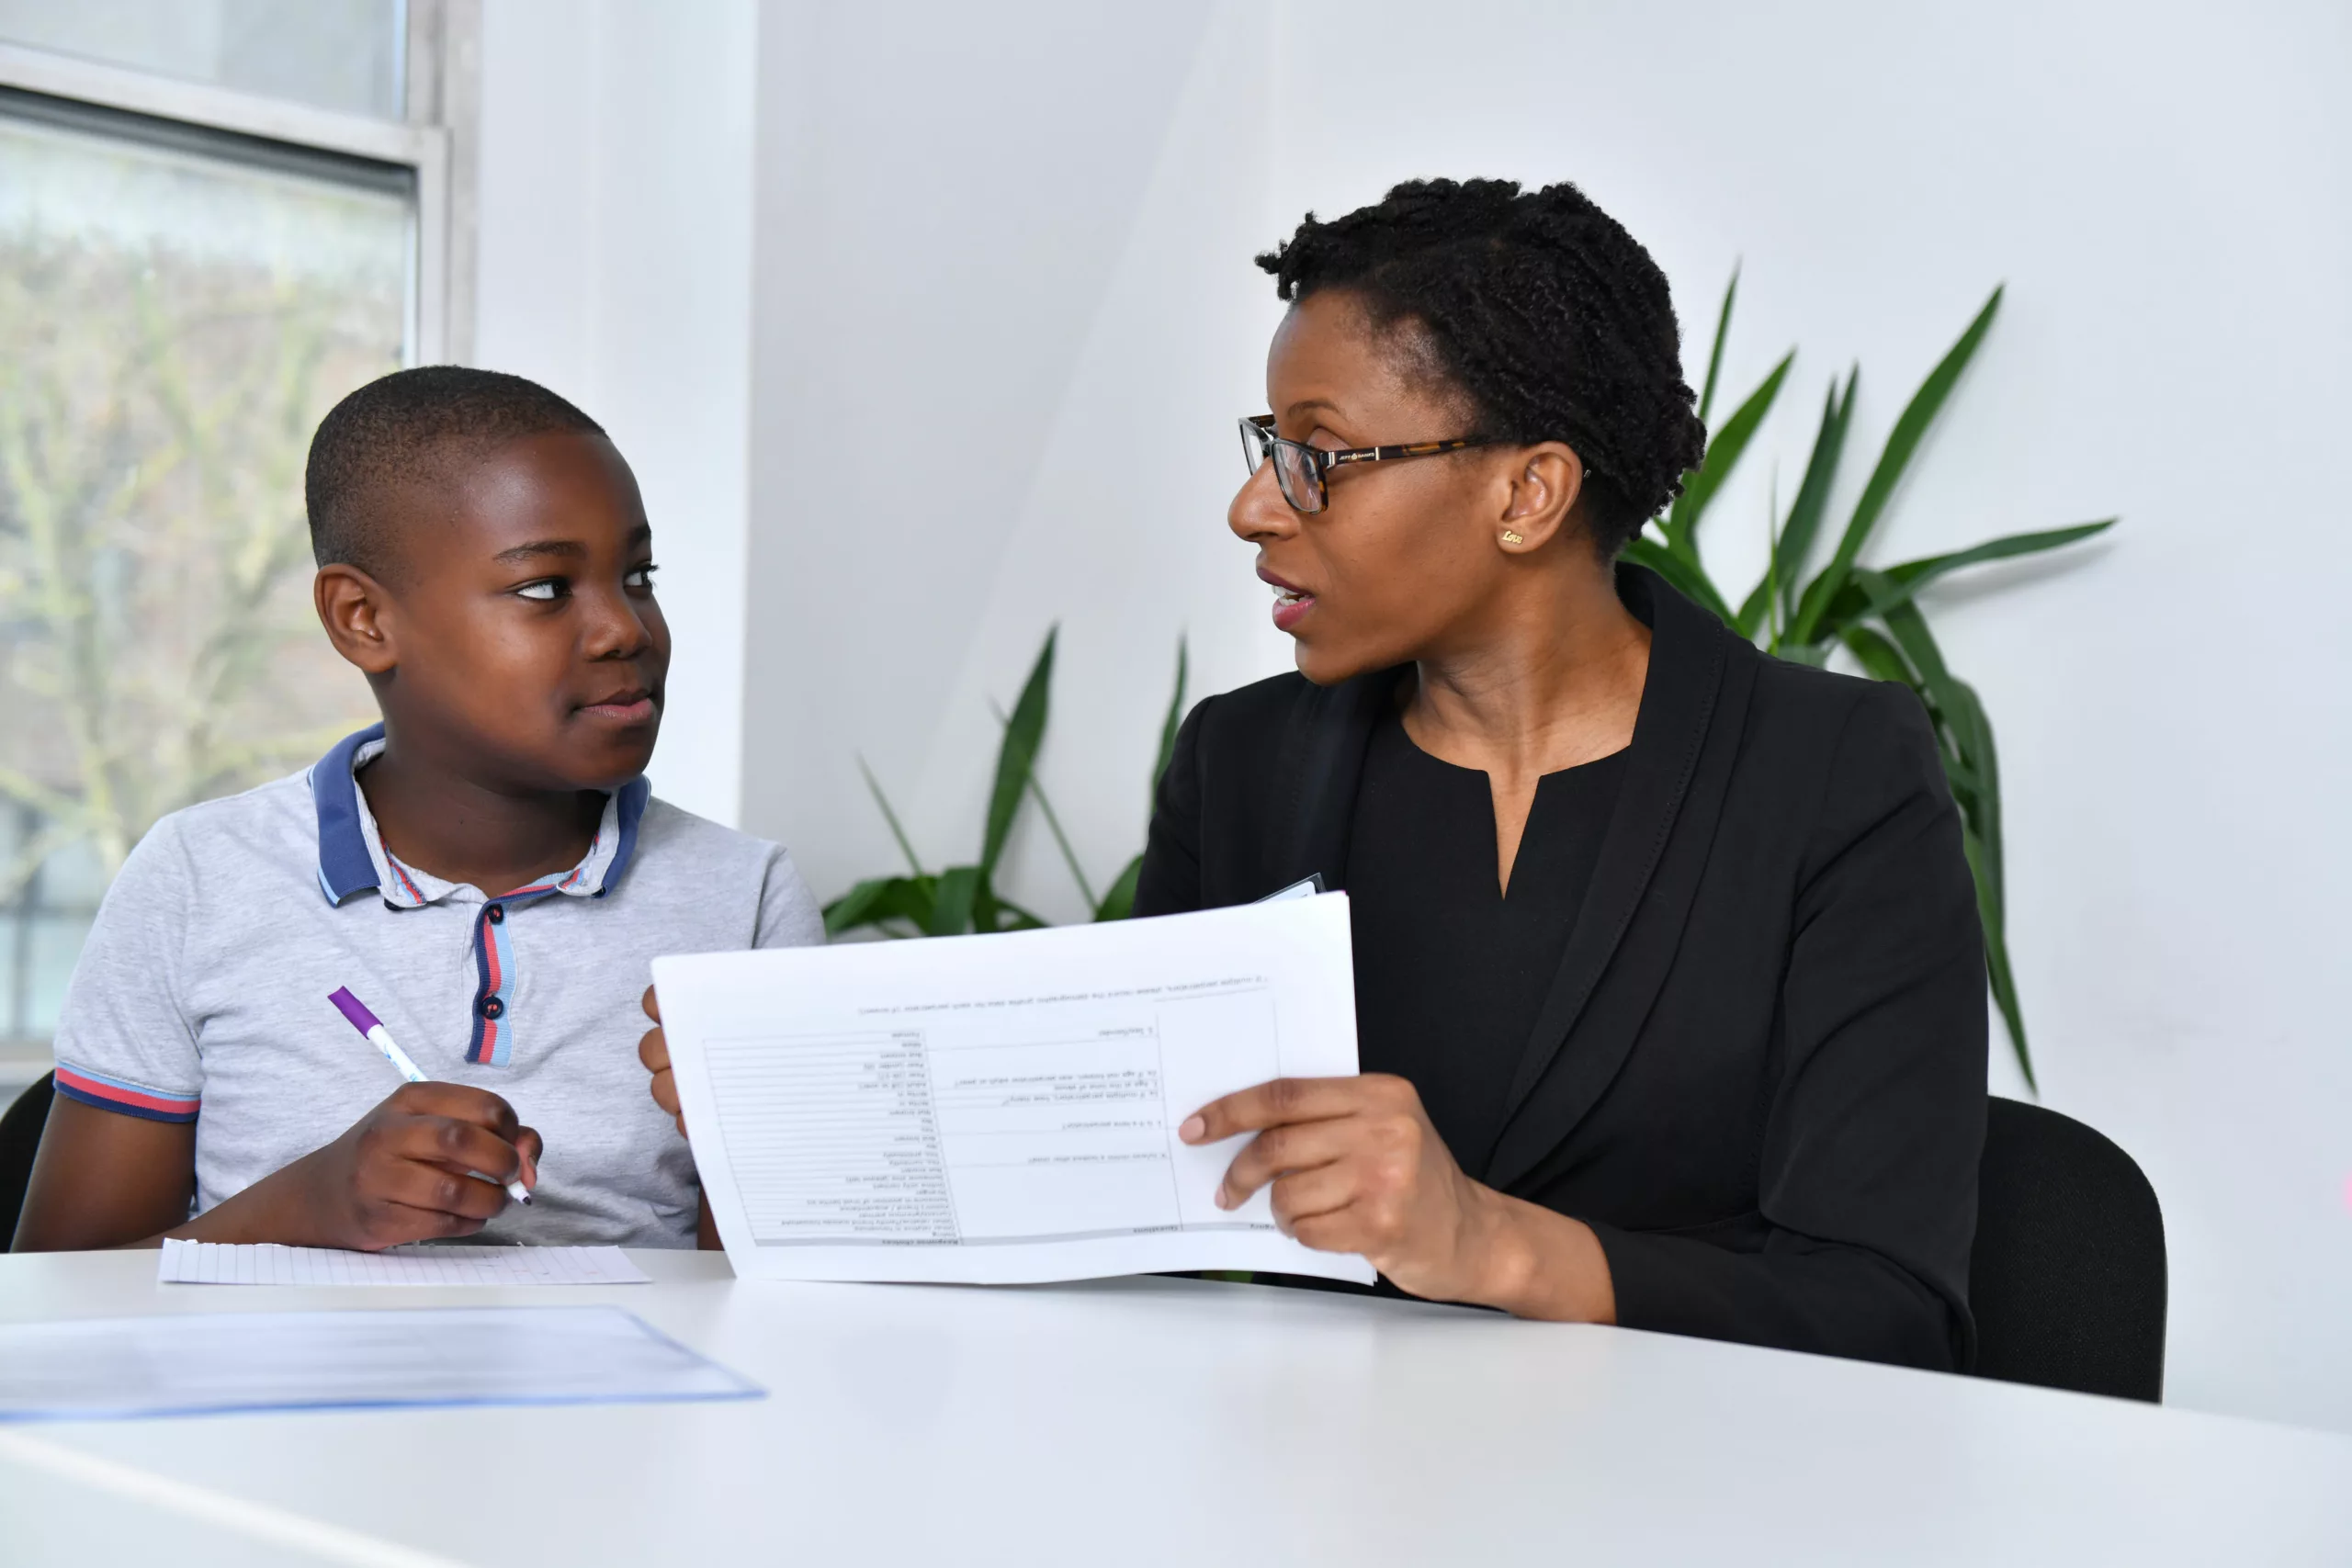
(72, 878)
(13, 1026)
(173, 323)
(338, 54)
(55, 942)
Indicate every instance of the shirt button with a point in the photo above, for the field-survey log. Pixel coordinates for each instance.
(492, 1007)
(495, 914)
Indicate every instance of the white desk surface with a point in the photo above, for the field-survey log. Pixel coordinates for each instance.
(1158, 1421)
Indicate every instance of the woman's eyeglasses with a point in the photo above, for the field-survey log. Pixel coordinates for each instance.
(1301, 469)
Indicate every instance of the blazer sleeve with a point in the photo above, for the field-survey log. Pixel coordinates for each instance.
(1170, 882)
(1867, 1183)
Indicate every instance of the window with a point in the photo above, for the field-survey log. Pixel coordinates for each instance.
(196, 262)
(336, 54)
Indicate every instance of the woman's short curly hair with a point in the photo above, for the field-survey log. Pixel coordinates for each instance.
(1541, 310)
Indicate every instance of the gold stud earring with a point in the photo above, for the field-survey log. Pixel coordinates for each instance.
(1511, 538)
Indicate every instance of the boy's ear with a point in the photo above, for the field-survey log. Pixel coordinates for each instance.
(352, 607)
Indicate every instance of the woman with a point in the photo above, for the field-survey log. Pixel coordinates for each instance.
(1670, 995)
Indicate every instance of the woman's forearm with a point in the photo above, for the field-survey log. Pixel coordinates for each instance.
(1540, 1264)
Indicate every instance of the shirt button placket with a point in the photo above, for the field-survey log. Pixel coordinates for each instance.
(489, 1006)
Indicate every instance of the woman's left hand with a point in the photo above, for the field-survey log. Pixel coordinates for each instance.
(1356, 1166)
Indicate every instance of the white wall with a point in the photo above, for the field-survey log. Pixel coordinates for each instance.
(1004, 316)
(1001, 346)
(616, 269)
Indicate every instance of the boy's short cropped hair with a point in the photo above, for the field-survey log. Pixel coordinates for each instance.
(405, 426)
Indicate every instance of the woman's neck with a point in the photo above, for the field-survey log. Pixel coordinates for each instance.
(1550, 677)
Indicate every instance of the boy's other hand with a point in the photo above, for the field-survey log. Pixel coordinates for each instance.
(406, 1170)
(654, 1052)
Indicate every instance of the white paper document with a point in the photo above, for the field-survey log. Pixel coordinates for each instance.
(203, 1363)
(266, 1263)
(998, 1110)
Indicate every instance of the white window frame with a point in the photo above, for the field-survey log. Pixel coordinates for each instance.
(441, 71)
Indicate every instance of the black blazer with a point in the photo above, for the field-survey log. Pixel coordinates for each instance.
(1759, 1073)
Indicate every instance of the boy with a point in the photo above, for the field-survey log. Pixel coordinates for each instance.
(484, 870)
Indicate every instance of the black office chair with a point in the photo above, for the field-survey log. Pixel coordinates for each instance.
(2067, 1280)
(20, 1128)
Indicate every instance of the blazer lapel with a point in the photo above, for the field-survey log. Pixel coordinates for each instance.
(1683, 692)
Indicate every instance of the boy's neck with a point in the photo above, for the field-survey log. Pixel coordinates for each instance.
(460, 830)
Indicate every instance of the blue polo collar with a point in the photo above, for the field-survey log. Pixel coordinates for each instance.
(344, 866)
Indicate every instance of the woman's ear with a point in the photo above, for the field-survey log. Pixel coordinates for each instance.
(1544, 484)
(351, 606)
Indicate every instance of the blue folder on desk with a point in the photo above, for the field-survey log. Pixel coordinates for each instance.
(216, 1363)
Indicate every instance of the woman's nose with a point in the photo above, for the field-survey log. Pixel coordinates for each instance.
(1258, 511)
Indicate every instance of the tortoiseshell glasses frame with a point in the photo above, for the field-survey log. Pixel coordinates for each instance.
(1301, 469)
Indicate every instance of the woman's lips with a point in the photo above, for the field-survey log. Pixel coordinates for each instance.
(1291, 602)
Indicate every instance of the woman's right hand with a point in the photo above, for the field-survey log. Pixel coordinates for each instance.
(654, 1052)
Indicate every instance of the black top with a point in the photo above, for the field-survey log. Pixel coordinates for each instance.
(1450, 970)
(1758, 1068)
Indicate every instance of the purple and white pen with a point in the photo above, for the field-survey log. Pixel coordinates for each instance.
(369, 1024)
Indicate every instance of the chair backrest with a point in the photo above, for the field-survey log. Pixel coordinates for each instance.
(2067, 1279)
(20, 1128)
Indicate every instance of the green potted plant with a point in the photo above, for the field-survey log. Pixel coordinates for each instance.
(1801, 612)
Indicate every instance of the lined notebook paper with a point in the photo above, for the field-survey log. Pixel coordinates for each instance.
(221, 1263)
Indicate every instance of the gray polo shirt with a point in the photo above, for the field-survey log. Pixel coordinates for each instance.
(202, 993)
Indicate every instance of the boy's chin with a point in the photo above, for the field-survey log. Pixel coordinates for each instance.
(609, 765)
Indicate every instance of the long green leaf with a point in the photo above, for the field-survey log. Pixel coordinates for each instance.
(1901, 444)
(1690, 579)
(1975, 732)
(1998, 970)
(1785, 568)
(1912, 573)
(1716, 355)
(1820, 477)
(1120, 902)
(1911, 576)
(1021, 919)
(1724, 452)
(1976, 787)
(1949, 700)
(1054, 826)
(906, 847)
(959, 889)
(1023, 734)
(1061, 840)
(879, 900)
(1175, 720)
(1882, 659)
(854, 908)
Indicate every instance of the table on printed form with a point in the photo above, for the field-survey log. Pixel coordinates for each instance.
(1155, 1421)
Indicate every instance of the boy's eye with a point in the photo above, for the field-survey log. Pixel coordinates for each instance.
(544, 589)
(640, 576)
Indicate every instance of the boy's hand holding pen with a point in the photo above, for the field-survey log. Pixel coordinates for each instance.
(432, 1160)
(431, 1149)
(427, 1163)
